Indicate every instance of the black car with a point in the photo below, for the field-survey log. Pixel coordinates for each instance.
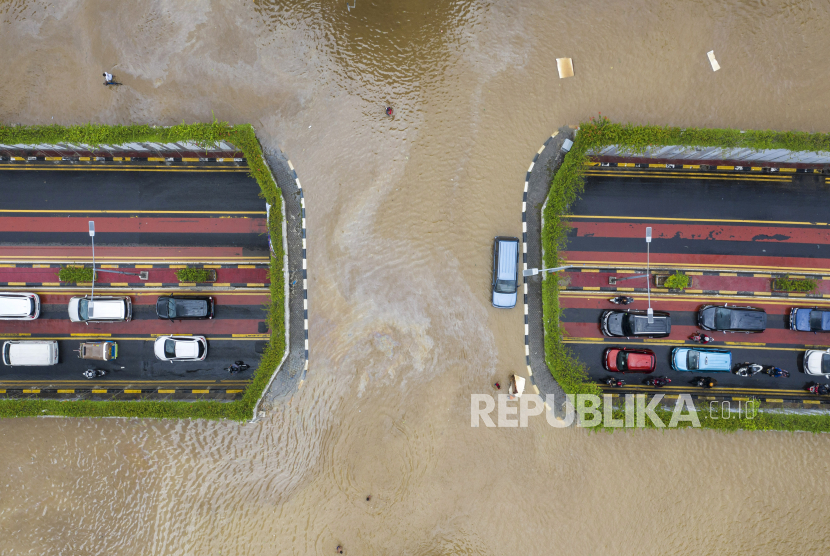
(627, 323)
(184, 308)
(732, 319)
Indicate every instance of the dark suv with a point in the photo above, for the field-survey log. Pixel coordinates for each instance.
(732, 319)
(184, 308)
(627, 323)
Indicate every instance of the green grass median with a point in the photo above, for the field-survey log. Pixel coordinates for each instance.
(206, 135)
(568, 183)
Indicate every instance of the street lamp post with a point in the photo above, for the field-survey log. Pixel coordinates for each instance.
(92, 236)
(648, 274)
(142, 275)
(535, 271)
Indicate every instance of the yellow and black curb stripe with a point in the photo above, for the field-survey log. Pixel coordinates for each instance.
(126, 163)
(703, 293)
(112, 286)
(769, 400)
(710, 167)
(160, 393)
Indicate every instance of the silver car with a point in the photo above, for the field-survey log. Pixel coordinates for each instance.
(100, 309)
(19, 306)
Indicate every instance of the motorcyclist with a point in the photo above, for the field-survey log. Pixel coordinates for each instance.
(622, 300)
(705, 382)
(618, 382)
(823, 389)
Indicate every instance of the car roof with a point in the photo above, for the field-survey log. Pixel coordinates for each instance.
(745, 318)
(106, 308)
(640, 360)
(508, 254)
(11, 305)
(642, 325)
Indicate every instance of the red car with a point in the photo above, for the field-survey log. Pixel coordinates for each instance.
(629, 360)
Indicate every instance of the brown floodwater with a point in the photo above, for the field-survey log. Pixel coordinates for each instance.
(401, 216)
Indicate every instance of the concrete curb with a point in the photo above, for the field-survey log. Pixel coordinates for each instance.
(537, 185)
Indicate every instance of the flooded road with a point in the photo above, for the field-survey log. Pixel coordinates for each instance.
(401, 216)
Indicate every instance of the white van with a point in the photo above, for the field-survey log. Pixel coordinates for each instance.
(30, 353)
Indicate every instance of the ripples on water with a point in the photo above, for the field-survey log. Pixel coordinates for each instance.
(401, 215)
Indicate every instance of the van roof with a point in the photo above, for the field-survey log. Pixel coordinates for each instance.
(508, 253)
(31, 352)
(106, 309)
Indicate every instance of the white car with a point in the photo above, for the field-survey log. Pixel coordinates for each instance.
(19, 306)
(817, 362)
(180, 348)
(100, 309)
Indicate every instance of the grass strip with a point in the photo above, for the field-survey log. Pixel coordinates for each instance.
(568, 183)
(206, 135)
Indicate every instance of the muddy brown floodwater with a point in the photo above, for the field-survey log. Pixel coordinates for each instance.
(401, 216)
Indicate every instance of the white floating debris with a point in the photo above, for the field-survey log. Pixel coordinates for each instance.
(715, 64)
(566, 67)
(517, 386)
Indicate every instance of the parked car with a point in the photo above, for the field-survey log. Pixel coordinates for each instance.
(732, 319)
(19, 306)
(100, 309)
(629, 360)
(627, 323)
(505, 272)
(817, 362)
(701, 359)
(180, 348)
(30, 353)
(810, 320)
(182, 308)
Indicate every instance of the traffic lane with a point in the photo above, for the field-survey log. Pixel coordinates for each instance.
(591, 355)
(718, 232)
(26, 223)
(147, 312)
(697, 261)
(259, 275)
(135, 254)
(148, 298)
(38, 190)
(577, 279)
(697, 198)
(247, 242)
(137, 361)
(150, 326)
(687, 247)
(687, 318)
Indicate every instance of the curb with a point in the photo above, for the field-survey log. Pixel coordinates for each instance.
(305, 268)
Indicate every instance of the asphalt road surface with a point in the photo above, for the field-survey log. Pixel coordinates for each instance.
(703, 221)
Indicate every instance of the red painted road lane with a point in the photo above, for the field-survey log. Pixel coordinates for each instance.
(711, 283)
(669, 304)
(680, 334)
(124, 253)
(150, 298)
(136, 327)
(608, 259)
(142, 224)
(155, 275)
(817, 235)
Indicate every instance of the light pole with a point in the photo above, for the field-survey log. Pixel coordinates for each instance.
(92, 235)
(535, 271)
(648, 274)
(142, 275)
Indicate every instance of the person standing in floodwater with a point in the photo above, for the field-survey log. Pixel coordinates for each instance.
(107, 78)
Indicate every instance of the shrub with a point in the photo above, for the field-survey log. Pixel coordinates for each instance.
(677, 281)
(193, 275)
(75, 274)
(787, 285)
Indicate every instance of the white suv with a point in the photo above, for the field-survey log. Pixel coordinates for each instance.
(100, 309)
(19, 306)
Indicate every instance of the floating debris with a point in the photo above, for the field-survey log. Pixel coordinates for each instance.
(711, 54)
(566, 67)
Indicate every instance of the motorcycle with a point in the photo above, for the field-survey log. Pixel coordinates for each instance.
(617, 382)
(776, 372)
(621, 300)
(658, 382)
(93, 373)
(237, 367)
(819, 389)
(706, 382)
(748, 369)
(701, 338)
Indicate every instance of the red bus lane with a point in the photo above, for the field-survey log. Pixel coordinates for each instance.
(134, 223)
(155, 275)
(707, 231)
(698, 261)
